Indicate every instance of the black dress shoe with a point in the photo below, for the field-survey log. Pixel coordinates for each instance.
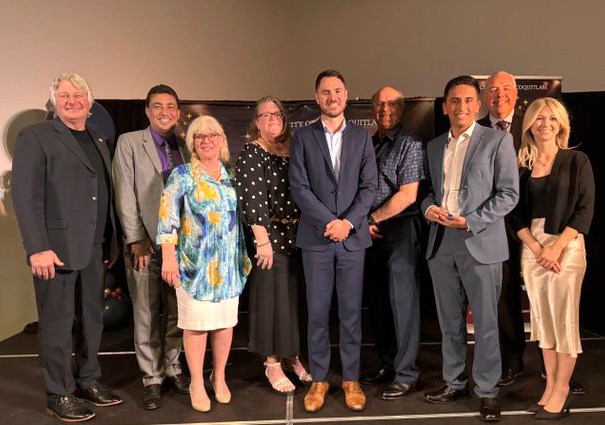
(152, 396)
(98, 395)
(576, 388)
(180, 383)
(445, 394)
(509, 376)
(543, 414)
(490, 410)
(395, 390)
(68, 409)
(377, 376)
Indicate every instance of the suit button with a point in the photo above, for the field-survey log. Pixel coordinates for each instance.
(93, 221)
(94, 198)
(93, 175)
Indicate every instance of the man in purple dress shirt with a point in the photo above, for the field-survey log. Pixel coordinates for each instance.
(142, 163)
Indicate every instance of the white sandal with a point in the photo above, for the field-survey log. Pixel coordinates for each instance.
(304, 377)
(281, 386)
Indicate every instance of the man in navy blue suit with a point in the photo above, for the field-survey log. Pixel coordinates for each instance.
(333, 180)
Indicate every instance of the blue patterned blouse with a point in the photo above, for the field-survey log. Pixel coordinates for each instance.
(199, 215)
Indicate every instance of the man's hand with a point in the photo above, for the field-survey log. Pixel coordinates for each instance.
(43, 264)
(445, 218)
(375, 232)
(337, 230)
(141, 251)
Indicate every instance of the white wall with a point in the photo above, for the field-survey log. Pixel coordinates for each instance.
(229, 49)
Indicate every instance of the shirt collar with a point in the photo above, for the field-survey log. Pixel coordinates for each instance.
(467, 133)
(341, 129)
(160, 140)
(509, 118)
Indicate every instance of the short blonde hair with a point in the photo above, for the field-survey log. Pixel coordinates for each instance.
(77, 82)
(205, 124)
(529, 151)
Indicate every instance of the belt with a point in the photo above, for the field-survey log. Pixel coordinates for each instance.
(284, 220)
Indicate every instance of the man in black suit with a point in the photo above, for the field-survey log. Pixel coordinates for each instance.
(333, 179)
(500, 97)
(61, 181)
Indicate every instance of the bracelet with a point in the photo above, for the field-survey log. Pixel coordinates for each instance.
(263, 244)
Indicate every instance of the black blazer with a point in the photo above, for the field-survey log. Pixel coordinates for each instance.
(570, 191)
(53, 185)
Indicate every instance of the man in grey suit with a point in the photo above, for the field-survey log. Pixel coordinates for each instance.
(333, 179)
(61, 185)
(474, 183)
(142, 162)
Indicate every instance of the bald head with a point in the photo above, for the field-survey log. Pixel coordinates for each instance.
(387, 104)
(500, 94)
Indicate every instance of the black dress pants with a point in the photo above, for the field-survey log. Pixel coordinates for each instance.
(72, 300)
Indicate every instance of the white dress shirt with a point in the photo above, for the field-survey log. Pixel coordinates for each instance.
(335, 145)
(453, 161)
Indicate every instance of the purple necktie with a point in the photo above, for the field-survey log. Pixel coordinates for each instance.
(503, 125)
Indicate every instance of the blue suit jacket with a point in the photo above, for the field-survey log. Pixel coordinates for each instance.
(489, 189)
(320, 197)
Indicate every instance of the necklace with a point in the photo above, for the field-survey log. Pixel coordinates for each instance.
(545, 160)
(271, 148)
(212, 170)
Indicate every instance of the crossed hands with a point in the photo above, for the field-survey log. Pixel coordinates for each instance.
(337, 230)
(549, 257)
(445, 218)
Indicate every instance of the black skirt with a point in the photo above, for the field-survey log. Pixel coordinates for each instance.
(274, 307)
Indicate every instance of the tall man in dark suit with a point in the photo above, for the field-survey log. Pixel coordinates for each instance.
(391, 275)
(62, 195)
(474, 184)
(333, 180)
(500, 96)
(142, 162)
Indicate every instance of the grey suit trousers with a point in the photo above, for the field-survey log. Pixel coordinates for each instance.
(157, 339)
(460, 280)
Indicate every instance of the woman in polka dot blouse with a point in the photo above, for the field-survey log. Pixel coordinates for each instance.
(270, 219)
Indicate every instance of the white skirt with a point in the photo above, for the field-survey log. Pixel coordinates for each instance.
(197, 315)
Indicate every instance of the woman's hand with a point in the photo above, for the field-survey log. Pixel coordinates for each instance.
(170, 267)
(550, 258)
(264, 256)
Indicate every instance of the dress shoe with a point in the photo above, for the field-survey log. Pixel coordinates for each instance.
(445, 394)
(490, 410)
(355, 399)
(68, 409)
(544, 414)
(224, 397)
(576, 388)
(314, 400)
(98, 395)
(180, 383)
(152, 396)
(509, 376)
(199, 403)
(377, 376)
(534, 408)
(394, 390)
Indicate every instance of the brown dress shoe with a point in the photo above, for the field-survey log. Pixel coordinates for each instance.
(355, 399)
(314, 400)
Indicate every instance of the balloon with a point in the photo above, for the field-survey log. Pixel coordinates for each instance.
(117, 313)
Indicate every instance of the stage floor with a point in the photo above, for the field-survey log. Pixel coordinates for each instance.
(22, 396)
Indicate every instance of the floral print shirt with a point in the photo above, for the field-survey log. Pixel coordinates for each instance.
(199, 215)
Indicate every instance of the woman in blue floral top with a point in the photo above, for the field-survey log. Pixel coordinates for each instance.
(203, 254)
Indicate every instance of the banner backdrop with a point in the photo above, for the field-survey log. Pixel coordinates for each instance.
(530, 88)
(236, 117)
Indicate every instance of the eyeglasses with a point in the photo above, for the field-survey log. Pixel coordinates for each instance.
(213, 137)
(389, 103)
(267, 115)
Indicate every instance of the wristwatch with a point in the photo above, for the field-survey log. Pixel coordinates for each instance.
(371, 220)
